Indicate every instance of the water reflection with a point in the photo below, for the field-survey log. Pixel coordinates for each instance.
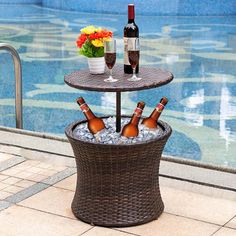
(200, 51)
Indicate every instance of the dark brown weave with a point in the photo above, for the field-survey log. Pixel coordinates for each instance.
(118, 185)
(151, 78)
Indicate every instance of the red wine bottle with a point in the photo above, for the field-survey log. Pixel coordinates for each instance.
(130, 32)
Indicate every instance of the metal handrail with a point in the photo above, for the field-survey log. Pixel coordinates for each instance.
(18, 82)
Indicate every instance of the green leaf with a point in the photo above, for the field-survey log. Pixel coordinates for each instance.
(89, 50)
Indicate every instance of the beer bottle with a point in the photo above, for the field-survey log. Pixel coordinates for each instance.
(151, 121)
(95, 124)
(131, 129)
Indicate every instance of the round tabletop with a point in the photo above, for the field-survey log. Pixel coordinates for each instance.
(151, 78)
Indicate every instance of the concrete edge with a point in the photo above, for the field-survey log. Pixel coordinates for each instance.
(184, 161)
(40, 139)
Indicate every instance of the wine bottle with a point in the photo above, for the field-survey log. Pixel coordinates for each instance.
(95, 124)
(130, 32)
(151, 121)
(131, 129)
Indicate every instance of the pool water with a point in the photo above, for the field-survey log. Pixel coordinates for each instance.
(199, 51)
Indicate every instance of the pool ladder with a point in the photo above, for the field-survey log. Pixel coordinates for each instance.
(18, 82)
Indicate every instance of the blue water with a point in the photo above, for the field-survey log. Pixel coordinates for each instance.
(200, 52)
(152, 7)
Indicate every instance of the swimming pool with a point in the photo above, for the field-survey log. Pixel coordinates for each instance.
(200, 51)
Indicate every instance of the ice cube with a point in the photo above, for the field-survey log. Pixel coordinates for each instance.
(110, 136)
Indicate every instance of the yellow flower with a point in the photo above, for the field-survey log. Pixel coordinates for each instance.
(106, 39)
(97, 43)
(88, 30)
(99, 29)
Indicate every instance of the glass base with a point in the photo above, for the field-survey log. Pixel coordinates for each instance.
(134, 78)
(110, 79)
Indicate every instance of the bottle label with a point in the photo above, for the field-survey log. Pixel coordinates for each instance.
(84, 107)
(138, 111)
(160, 107)
(126, 58)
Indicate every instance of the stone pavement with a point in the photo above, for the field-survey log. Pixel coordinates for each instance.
(35, 199)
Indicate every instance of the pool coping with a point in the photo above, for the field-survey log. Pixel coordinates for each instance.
(34, 144)
(169, 158)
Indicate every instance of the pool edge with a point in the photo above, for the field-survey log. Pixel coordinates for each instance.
(168, 158)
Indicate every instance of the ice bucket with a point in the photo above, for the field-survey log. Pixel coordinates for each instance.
(117, 185)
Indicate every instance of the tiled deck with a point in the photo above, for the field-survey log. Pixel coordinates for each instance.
(35, 199)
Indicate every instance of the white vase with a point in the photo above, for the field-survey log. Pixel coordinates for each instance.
(96, 65)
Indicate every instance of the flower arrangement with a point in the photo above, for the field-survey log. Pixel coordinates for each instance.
(91, 41)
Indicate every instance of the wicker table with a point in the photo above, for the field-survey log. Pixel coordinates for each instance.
(152, 78)
(118, 185)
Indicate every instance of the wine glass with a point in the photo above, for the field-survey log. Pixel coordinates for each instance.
(133, 55)
(110, 57)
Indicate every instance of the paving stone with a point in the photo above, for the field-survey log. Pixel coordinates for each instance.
(68, 183)
(59, 176)
(58, 168)
(172, 225)
(232, 223)
(11, 180)
(11, 162)
(23, 174)
(101, 231)
(2, 177)
(24, 183)
(13, 189)
(36, 177)
(5, 156)
(4, 205)
(44, 165)
(34, 169)
(3, 185)
(198, 206)
(225, 232)
(32, 162)
(4, 195)
(52, 200)
(25, 193)
(48, 172)
(22, 221)
(11, 171)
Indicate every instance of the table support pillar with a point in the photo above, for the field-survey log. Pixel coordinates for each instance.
(118, 111)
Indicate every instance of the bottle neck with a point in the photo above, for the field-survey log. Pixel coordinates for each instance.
(131, 21)
(131, 13)
(136, 116)
(157, 111)
(87, 112)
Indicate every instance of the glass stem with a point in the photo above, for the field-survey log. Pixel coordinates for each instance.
(110, 72)
(134, 72)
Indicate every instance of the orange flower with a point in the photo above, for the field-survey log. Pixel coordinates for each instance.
(94, 36)
(81, 39)
(106, 34)
(100, 35)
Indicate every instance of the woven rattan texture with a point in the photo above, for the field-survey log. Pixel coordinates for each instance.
(118, 185)
(151, 78)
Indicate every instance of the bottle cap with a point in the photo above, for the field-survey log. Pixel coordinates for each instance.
(141, 104)
(80, 100)
(164, 101)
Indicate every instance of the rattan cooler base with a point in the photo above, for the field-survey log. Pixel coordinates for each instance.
(118, 185)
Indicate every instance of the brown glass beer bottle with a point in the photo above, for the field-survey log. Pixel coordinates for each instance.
(131, 129)
(151, 121)
(95, 124)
